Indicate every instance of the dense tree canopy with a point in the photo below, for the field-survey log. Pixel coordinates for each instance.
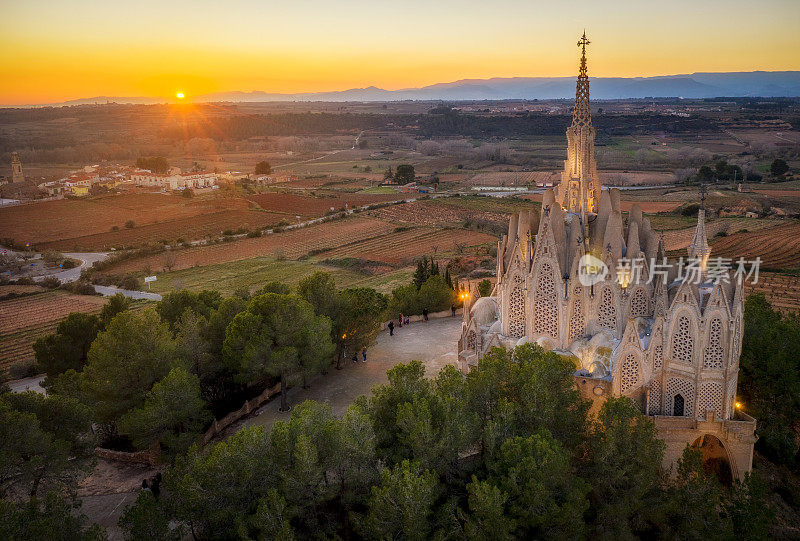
(263, 168)
(404, 173)
(507, 451)
(778, 167)
(68, 347)
(769, 381)
(124, 362)
(45, 443)
(172, 306)
(173, 414)
(278, 336)
(154, 164)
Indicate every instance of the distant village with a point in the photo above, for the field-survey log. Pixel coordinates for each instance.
(93, 179)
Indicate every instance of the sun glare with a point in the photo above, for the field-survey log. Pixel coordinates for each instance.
(179, 95)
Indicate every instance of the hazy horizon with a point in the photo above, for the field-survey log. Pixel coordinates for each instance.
(52, 53)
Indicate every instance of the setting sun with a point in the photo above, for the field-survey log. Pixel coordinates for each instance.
(179, 95)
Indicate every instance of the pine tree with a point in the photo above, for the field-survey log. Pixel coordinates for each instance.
(447, 277)
(422, 273)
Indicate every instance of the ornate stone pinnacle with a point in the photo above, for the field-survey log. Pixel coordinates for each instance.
(581, 115)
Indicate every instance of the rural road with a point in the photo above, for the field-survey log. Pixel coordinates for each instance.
(87, 259)
(27, 384)
(70, 275)
(108, 291)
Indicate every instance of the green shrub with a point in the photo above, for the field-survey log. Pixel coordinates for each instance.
(129, 281)
(434, 294)
(24, 369)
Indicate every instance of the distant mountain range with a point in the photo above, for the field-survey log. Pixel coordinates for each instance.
(694, 85)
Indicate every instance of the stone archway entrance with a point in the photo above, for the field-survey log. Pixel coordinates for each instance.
(715, 458)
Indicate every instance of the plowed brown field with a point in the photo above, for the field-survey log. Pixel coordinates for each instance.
(311, 207)
(778, 247)
(192, 228)
(24, 319)
(291, 244)
(405, 246)
(86, 223)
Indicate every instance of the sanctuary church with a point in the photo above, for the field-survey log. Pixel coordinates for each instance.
(588, 282)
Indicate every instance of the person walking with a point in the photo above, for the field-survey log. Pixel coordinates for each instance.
(425, 314)
(364, 354)
(155, 485)
(453, 309)
(400, 318)
(391, 328)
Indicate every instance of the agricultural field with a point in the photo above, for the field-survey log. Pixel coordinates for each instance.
(171, 231)
(781, 290)
(286, 245)
(86, 224)
(778, 247)
(432, 212)
(402, 247)
(251, 274)
(319, 204)
(24, 319)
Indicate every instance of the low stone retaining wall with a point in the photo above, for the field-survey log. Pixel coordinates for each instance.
(149, 458)
(418, 318)
(248, 407)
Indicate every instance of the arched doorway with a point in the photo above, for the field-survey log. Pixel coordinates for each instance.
(677, 408)
(715, 458)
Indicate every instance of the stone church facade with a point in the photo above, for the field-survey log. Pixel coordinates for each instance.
(666, 335)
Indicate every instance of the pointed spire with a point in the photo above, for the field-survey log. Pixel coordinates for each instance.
(581, 116)
(699, 248)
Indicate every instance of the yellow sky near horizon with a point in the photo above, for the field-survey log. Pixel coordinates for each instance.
(52, 52)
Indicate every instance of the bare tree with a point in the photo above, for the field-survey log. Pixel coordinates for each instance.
(169, 259)
(682, 175)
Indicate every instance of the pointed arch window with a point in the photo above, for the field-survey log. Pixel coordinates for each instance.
(683, 341)
(546, 303)
(714, 350)
(576, 320)
(516, 308)
(607, 313)
(639, 304)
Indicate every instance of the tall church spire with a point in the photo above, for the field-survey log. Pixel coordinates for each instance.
(581, 116)
(699, 248)
(579, 190)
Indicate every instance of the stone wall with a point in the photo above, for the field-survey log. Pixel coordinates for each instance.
(248, 407)
(149, 458)
(737, 438)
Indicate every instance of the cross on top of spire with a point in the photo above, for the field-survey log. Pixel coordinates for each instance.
(582, 43)
(581, 115)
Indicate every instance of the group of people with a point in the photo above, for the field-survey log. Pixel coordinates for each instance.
(404, 320)
(153, 484)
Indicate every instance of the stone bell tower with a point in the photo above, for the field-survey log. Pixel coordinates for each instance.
(16, 168)
(579, 190)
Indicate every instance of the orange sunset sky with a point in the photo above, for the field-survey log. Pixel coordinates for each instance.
(55, 51)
